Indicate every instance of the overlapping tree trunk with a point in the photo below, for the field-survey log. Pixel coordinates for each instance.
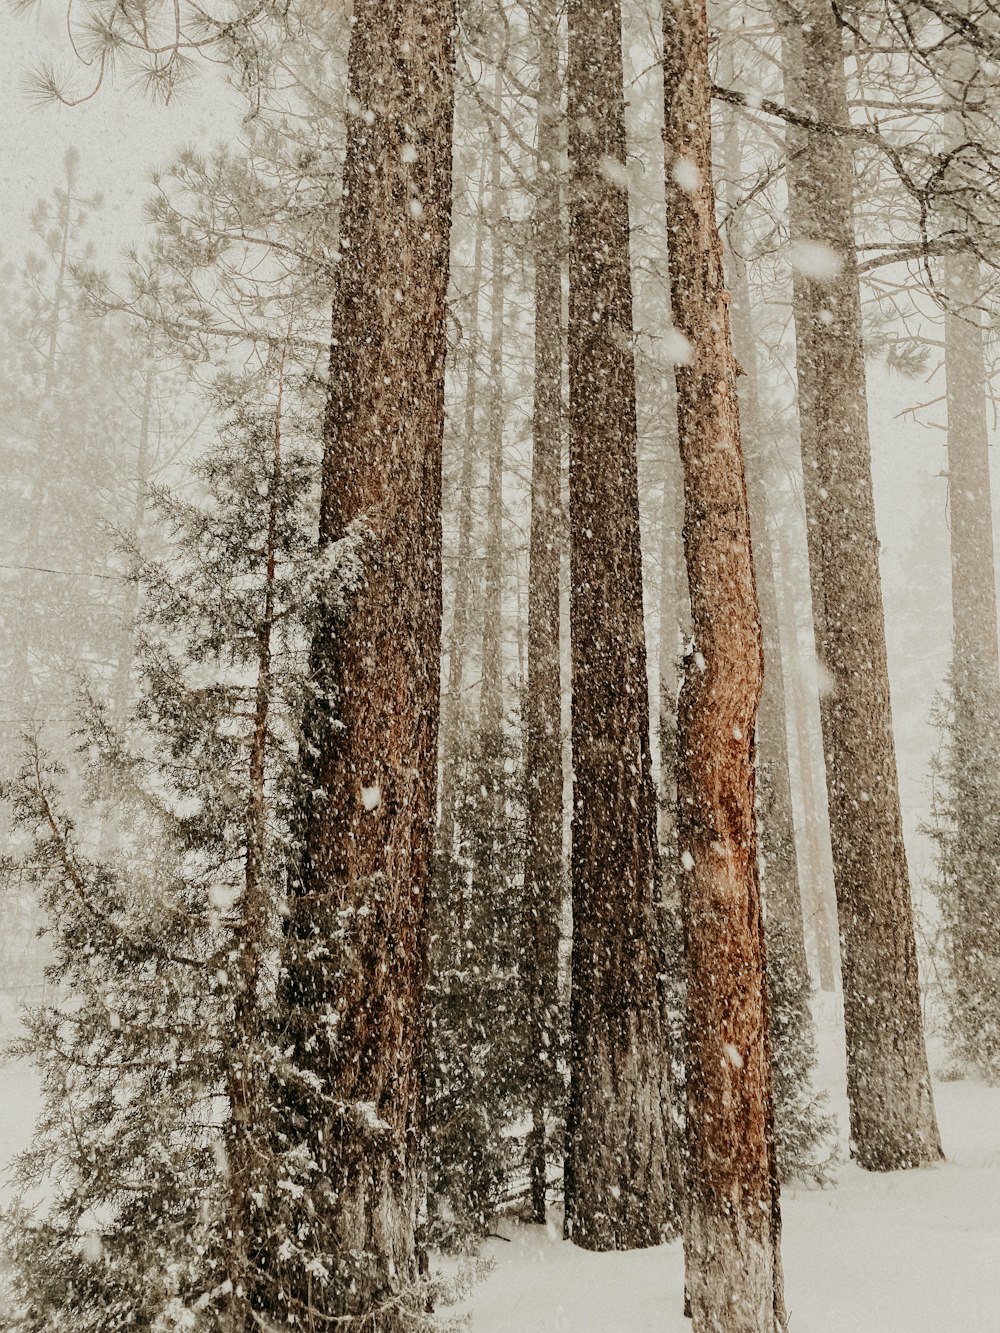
(893, 1124)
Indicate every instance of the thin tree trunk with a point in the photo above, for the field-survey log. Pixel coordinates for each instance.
(543, 871)
(356, 947)
(732, 1239)
(491, 694)
(893, 1124)
(458, 645)
(621, 1187)
(973, 581)
(818, 913)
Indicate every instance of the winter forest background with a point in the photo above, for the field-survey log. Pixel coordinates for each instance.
(472, 479)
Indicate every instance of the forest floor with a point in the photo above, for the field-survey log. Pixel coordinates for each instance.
(908, 1252)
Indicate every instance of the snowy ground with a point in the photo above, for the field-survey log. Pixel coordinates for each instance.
(911, 1252)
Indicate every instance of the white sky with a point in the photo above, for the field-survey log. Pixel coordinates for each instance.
(121, 136)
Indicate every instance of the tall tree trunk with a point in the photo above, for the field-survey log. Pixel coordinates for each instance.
(973, 580)
(458, 646)
(893, 1123)
(732, 1240)
(491, 694)
(970, 509)
(355, 936)
(621, 1188)
(543, 870)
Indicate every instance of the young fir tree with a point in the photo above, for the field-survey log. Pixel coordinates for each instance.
(965, 825)
(154, 1151)
(483, 1073)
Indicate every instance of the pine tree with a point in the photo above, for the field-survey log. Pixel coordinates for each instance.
(481, 1072)
(159, 1055)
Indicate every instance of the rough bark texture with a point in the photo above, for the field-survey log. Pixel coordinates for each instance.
(543, 869)
(733, 1278)
(893, 1123)
(620, 1173)
(356, 949)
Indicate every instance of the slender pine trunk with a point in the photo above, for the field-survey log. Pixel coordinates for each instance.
(732, 1234)
(491, 690)
(543, 871)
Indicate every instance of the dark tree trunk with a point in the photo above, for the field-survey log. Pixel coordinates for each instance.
(543, 871)
(893, 1123)
(356, 944)
(733, 1279)
(621, 1188)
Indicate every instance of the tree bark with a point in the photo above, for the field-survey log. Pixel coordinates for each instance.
(355, 937)
(893, 1124)
(733, 1277)
(621, 1187)
(543, 871)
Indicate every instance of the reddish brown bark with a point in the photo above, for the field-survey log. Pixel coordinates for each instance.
(356, 945)
(733, 1276)
(620, 1183)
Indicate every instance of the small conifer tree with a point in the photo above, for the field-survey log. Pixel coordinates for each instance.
(479, 1075)
(965, 825)
(163, 1181)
